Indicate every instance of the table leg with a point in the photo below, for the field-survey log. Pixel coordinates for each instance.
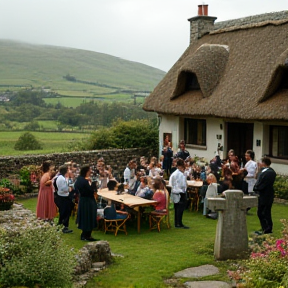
(138, 220)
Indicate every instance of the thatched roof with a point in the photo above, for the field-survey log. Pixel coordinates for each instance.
(239, 69)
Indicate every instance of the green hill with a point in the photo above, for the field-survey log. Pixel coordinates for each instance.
(41, 66)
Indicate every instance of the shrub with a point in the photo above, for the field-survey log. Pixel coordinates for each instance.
(268, 262)
(27, 141)
(281, 187)
(25, 176)
(36, 256)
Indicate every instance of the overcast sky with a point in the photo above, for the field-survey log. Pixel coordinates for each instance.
(153, 32)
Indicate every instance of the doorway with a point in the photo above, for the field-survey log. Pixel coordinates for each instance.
(240, 138)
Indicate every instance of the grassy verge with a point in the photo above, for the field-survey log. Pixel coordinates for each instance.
(52, 142)
(151, 257)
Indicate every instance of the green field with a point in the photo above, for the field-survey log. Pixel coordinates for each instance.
(52, 142)
(42, 66)
(75, 101)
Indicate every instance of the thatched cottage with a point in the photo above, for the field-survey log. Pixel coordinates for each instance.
(229, 89)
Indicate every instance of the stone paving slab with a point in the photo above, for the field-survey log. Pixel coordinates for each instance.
(196, 272)
(207, 284)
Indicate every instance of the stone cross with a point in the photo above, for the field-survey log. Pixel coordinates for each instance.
(231, 241)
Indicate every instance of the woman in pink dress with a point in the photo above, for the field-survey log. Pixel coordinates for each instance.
(46, 208)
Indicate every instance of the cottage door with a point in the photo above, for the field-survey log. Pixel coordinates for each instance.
(240, 138)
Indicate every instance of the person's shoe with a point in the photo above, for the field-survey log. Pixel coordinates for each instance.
(90, 239)
(258, 232)
(66, 230)
(178, 226)
(185, 227)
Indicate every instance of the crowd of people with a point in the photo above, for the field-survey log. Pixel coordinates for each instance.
(71, 185)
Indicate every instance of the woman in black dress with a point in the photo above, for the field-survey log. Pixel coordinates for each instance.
(87, 207)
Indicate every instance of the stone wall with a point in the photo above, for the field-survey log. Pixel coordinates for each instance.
(117, 158)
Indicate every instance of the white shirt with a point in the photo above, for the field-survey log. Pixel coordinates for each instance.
(129, 177)
(154, 172)
(62, 185)
(141, 192)
(251, 167)
(178, 183)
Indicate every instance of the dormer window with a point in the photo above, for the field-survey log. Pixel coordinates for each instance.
(197, 75)
(278, 82)
(191, 82)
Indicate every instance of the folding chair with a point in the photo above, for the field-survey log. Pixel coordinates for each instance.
(114, 225)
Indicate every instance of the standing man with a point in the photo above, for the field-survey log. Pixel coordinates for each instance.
(130, 175)
(178, 185)
(64, 202)
(264, 187)
(183, 153)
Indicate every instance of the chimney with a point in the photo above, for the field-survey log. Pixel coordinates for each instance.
(201, 24)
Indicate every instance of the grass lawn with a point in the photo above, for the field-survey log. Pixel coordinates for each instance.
(151, 257)
(52, 142)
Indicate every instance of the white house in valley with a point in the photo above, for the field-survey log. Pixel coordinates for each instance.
(229, 88)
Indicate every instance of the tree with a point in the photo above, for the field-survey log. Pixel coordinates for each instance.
(27, 141)
(130, 134)
(32, 126)
(28, 97)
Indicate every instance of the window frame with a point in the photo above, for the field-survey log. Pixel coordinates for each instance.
(272, 130)
(195, 123)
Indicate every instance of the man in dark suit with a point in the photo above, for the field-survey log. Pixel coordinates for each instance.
(264, 187)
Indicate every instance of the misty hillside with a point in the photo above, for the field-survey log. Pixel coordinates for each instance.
(36, 66)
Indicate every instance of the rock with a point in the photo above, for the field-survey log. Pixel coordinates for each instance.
(196, 272)
(100, 265)
(207, 284)
(99, 251)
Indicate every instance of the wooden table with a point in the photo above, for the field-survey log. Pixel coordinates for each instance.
(128, 200)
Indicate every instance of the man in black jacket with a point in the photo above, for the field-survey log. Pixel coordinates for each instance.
(264, 187)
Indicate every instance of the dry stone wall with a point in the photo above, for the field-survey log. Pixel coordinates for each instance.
(117, 158)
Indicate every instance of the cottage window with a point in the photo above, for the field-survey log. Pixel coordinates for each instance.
(279, 141)
(195, 131)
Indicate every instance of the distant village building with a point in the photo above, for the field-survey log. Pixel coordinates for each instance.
(229, 88)
(4, 98)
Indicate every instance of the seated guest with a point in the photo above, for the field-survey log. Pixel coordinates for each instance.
(142, 168)
(154, 170)
(211, 192)
(143, 188)
(111, 185)
(159, 195)
(104, 173)
(110, 213)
